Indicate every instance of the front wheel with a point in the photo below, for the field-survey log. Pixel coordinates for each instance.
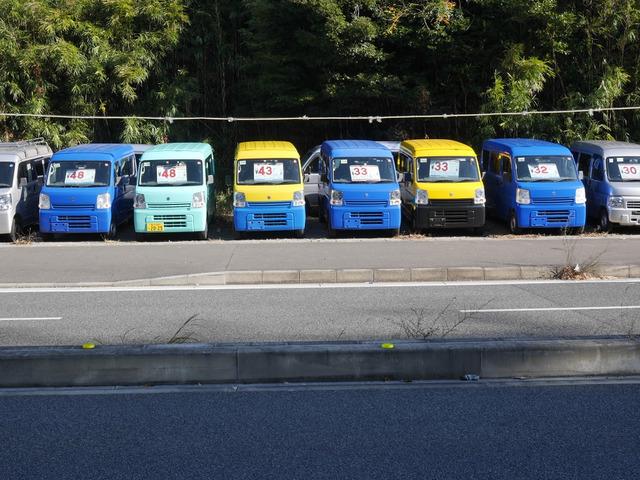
(204, 235)
(16, 230)
(604, 225)
(111, 234)
(394, 232)
(299, 233)
(513, 224)
(478, 231)
(577, 230)
(141, 237)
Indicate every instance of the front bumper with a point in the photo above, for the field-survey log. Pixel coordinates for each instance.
(75, 221)
(269, 219)
(6, 217)
(172, 220)
(449, 216)
(547, 216)
(624, 216)
(365, 218)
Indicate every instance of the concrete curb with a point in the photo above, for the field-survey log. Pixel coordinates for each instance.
(314, 362)
(367, 275)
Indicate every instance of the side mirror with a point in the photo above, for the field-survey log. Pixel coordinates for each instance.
(22, 182)
(580, 175)
(399, 177)
(306, 178)
(210, 179)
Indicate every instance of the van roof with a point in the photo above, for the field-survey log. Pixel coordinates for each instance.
(178, 151)
(16, 151)
(95, 151)
(425, 147)
(607, 148)
(350, 148)
(525, 146)
(266, 149)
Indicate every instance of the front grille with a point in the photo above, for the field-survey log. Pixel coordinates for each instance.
(368, 218)
(634, 204)
(270, 216)
(452, 203)
(268, 204)
(172, 221)
(555, 216)
(75, 221)
(74, 206)
(452, 216)
(365, 203)
(553, 201)
(168, 205)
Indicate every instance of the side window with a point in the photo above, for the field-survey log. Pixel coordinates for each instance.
(584, 160)
(597, 172)
(485, 160)
(127, 166)
(208, 165)
(494, 163)
(506, 168)
(38, 167)
(24, 171)
(314, 165)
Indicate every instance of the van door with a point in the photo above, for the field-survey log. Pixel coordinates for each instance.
(211, 188)
(584, 166)
(407, 191)
(311, 172)
(28, 186)
(506, 187)
(125, 189)
(597, 193)
(492, 175)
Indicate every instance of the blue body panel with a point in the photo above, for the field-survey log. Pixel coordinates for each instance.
(269, 217)
(552, 203)
(366, 206)
(73, 209)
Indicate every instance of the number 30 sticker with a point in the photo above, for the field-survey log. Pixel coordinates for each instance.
(629, 172)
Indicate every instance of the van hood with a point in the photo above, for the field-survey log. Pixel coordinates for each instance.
(81, 197)
(182, 194)
(623, 189)
(269, 193)
(551, 190)
(372, 191)
(451, 190)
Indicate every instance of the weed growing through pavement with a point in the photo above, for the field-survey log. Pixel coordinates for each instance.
(574, 268)
(27, 238)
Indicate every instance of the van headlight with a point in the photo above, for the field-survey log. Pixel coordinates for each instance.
(336, 197)
(298, 198)
(5, 202)
(140, 201)
(239, 200)
(581, 196)
(612, 202)
(479, 198)
(523, 197)
(103, 201)
(394, 197)
(422, 197)
(197, 201)
(44, 202)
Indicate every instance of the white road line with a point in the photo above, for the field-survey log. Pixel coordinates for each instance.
(20, 319)
(306, 286)
(550, 309)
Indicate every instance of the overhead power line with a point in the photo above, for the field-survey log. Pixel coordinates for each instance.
(369, 118)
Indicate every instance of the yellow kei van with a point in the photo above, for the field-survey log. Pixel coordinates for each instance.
(268, 192)
(441, 185)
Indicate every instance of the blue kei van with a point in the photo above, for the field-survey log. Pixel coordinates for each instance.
(359, 187)
(533, 184)
(88, 189)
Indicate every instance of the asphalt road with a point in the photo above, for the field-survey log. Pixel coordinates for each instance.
(73, 262)
(337, 312)
(423, 431)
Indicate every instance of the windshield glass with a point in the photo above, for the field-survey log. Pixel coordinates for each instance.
(6, 174)
(272, 171)
(545, 169)
(79, 174)
(170, 173)
(363, 170)
(448, 169)
(623, 169)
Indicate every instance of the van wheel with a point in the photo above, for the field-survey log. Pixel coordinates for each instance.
(414, 224)
(394, 232)
(321, 217)
(237, 235)
(111, 234)
(478, 231)
(204, 235)
(331, 233)
(46, 237)
(141, 237)
(604, 225)
(513, 224)
(16, 230)
(577, 230)
(299, 233)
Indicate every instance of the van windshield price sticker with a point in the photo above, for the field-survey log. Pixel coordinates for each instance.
(629, 171)
(544, 170)
(79, 177)
(268, 172)
(444, 168)
(171, 174)
(364, 173)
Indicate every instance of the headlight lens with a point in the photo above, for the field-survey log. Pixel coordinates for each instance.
(197, 201)
(336, 197)
(394, 198)
(239, 200)
(479, 199)
(103, 201)
(614, 202)
(44, 203)
(523, 197)
(298, 198)
(581, 196)
(422, 197)
(140, 201)
(5, 202)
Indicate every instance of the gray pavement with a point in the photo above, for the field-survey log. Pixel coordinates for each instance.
(496, 430)
(75, 261)
(283, 313)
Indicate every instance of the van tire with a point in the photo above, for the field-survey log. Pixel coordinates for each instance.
(46, 237)
(16, 230)
(414, 224)
(111, 234)
(478, 231)
(204, 235)
(577, 230)
(513, 224)
(604, 225)
(238, 235)
(394, 232)
(299, 233)
(331, 232)
(141, 237)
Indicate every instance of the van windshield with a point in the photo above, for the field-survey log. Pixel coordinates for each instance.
(448, 169)
(79, 174)
(363, 170)
(170, 173)
(271, 171)
(6, 174)
(623, 169)
(545, 169)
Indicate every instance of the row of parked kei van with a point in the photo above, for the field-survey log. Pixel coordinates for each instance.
(351, 184)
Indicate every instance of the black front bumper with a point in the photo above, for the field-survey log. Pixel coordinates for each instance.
(449, 216)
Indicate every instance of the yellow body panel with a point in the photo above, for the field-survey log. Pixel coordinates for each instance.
(266, 150)
(442, 148)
